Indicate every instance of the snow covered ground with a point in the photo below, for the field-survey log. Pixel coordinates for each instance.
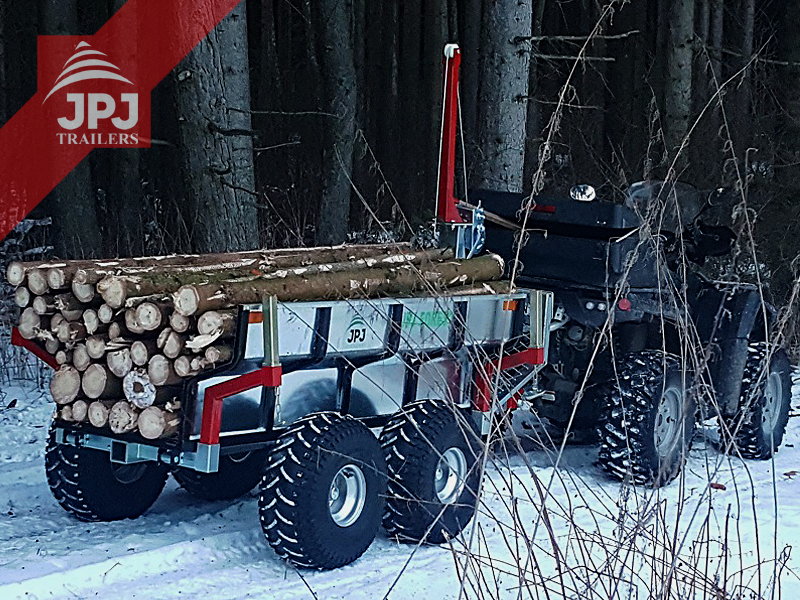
(688, 540)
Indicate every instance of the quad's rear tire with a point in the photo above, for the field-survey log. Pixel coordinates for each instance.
(648, 420)
(322, 495)
(431, 454)
(760, 422)
(88, 485)
(237, 475)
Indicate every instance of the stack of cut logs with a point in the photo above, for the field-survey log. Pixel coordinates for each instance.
(135, 328)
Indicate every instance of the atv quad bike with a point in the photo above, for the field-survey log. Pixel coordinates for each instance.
(622, 285)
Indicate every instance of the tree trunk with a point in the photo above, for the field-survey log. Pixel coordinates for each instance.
(339, 78)
(213, 104)
(470, 18)
(789, 120)
(72, 202)
(502, 94)
(678, 95)
(533, 118)
(742, 114)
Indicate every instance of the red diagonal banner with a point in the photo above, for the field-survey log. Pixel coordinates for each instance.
(94, 91)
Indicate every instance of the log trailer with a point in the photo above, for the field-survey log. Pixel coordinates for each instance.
(348, 413)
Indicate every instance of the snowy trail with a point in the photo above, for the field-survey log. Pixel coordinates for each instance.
(186, 548)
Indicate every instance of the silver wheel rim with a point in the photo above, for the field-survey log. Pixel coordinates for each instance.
(451, 472)
(128, 473)
(347, 495)
(773, 395)
(669, 421)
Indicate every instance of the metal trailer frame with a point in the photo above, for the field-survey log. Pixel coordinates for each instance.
(493, 350)
(476, 337)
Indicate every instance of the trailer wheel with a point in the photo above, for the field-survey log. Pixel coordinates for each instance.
(760, 422)
(88, 485)
(431, 455)
(237, 475)
(647, 422)
(322, 495)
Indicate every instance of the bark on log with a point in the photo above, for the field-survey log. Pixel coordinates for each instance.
(190, 300)
(122, 417)
(22, 296)
(65, 384)
(155, 423)
(67, 302)
(115, 289)
(72, 315)
(138, 389)
(142, 350)
(80, 410)
(99, 382)
(16, 271)
(217, 320)
(80, 357)
(119, 362)
(98, 412)
(160, 371)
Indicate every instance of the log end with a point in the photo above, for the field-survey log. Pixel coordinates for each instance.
(186, 300)
(15, 273)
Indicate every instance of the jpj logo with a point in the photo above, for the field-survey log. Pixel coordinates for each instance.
(91, 100)
(356, 331)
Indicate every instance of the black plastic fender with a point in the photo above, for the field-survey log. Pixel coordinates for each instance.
(726, 319)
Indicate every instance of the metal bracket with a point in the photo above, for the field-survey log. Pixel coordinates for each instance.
(204, 460)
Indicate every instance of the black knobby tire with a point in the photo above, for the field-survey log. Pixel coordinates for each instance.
(237, 475)
(88, 485)
(296, 502)
(760, 422)
(414, 442)
(647, 403)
